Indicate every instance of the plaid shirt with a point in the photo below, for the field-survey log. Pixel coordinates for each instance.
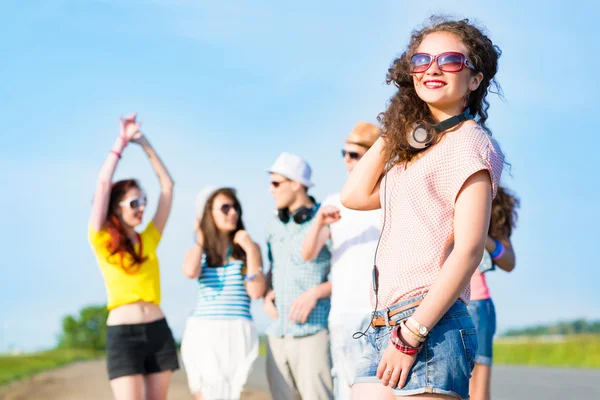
(292, 276)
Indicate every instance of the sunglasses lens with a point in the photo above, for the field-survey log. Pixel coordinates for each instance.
(420, 63)
(352, 154)
(225, 208)
(451, 62)
(137, 203)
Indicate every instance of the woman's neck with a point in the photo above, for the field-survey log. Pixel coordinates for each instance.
(443, 112)
(130, 233)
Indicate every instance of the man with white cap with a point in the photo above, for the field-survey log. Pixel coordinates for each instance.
(298, 357)
(353, 236)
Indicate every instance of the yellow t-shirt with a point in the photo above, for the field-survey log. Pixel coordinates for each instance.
(124, 287)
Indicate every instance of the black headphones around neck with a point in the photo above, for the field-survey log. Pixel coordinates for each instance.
(300, 216)
(423, 134)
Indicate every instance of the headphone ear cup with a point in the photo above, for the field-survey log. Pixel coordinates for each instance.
(284, 215)
(420, 137)
(303, 215)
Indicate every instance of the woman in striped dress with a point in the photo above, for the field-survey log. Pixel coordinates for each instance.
(220, 342)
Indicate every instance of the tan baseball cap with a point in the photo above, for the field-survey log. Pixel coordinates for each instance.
(364, 134)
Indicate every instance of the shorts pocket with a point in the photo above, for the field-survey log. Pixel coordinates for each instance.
(469, 342)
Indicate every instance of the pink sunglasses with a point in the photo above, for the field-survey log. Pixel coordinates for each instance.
(447, 62)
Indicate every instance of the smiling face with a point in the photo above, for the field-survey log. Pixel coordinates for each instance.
(444, 92)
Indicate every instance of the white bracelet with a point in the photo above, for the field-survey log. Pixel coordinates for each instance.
(251, 277)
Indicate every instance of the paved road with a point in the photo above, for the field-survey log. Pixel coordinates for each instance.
(527, 383)
(88, 380)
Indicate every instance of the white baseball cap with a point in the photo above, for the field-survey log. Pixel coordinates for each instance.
(292, 167)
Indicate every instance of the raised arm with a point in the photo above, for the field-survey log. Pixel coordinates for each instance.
(103, 186)
(361, 191)
(255, 279)
(192, 264)
(319, 232)
(166, 184)
(507, 260)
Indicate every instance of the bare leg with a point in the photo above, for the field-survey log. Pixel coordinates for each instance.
(480, 384)
(157, 385)
(127, 387)
(365, 391)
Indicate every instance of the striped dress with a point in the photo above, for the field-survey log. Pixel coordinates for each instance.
(222, 294)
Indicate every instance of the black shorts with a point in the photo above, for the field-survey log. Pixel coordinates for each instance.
(140, 349)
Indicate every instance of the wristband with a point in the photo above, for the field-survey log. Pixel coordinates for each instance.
(400, 345)
(251, 277)
(116, 153)
(498, 251)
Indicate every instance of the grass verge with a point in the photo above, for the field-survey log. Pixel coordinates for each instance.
(13, 367)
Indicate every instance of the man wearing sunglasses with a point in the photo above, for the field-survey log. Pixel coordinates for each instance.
(353, 236)
(298, 358)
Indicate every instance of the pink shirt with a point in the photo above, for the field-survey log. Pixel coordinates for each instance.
(418, 234)
(479, 287)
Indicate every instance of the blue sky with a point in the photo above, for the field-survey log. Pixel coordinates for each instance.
(222, 89)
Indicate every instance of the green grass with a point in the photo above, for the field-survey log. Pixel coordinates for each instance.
(582, 351)
(13, 367)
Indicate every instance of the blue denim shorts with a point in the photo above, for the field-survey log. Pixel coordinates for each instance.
(483, 313)
(444, 364)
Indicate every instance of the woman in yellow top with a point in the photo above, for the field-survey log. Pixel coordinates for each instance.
(140, 350)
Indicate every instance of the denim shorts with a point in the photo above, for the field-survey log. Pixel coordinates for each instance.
(444, 364)
(484, 317)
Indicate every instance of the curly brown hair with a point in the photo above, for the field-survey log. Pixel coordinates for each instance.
(405, 108)
(504, 214)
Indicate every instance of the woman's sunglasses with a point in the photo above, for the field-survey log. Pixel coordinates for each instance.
(352, 154)
(225, 208)
(447, 62)
(134, 202)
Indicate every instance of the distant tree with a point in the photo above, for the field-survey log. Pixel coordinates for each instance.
(579, 326)
(85, 331)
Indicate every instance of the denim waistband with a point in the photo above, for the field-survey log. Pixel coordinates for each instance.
(403, 303)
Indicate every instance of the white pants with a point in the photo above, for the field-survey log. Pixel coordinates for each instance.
(345, 350)
(218, 355)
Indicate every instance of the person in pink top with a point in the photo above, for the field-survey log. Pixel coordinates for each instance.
(499, 251)
(433, 172)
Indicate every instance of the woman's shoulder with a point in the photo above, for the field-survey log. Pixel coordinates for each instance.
(471, 138)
